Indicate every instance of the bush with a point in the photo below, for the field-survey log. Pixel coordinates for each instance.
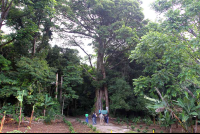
(132, 127)
(147, 128)
(144, 131)
(118, 119)
(71, 128)
(141, 126)
(138, 130)
(161, 132)
(47, 120)
(94, 129)
(118, 122)
(91, 126)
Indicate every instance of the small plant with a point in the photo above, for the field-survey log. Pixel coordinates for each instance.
(47, 120)
(118, 119)
(161, 132)
(72, 131)
(127, 126)
(144, 131)
(141, 126)
(122, 123)
(91, 126)
(138, 130)
(15, 131)
(132, 127)
(147, 128)
(71, 128)
(118, 122)
(94, 129)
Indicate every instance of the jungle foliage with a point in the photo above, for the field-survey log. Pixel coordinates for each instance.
(142, 68)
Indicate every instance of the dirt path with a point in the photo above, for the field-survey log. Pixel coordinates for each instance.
(104, 128)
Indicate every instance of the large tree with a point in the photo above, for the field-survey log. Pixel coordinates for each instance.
(112, 25)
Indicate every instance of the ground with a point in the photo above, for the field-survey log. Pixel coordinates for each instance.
(58, 126)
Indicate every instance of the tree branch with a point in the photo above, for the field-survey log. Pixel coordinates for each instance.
(6, 43)
(89, 57)
(89, 73)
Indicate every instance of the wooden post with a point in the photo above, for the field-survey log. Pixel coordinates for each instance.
(56, 96)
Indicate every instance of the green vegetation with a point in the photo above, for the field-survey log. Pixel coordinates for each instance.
(139, 69)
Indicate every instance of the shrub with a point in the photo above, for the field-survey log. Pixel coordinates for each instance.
(147, 128)
(138, 130)
(69, 123)
(91, 126)
(72, 131)
(118, 122)
(71, 128)
(94, 129)
(141, 126)
(118, 119)
(132, 127)
(161, 132)
(47, 120)
(144, 131)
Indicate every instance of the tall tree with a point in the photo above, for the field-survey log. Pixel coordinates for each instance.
(113, 25)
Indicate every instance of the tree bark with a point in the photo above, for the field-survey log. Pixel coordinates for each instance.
(61, 89)
(103, 90)
(56, 96)
(20, 117)
(63, 104)
(31, 117)
(196, 124)
(97, 106)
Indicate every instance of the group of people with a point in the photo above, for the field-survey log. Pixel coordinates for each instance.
(103, 118)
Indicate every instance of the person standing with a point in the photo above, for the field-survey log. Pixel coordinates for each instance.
(93, 119)
(86, 118)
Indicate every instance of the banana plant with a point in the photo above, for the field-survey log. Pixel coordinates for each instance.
(20, 99)
(47, 102)
(189, 110)
(167, 120)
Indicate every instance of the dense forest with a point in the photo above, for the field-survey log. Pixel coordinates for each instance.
(142, 68)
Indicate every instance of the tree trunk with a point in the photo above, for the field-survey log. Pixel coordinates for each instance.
(2, 122)
(196, 124)
(56, 96)
(97, 106)
(63, 104)
(31, 117)
(20, 117)
(61, 89)
(103, 89)
(34, 46)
